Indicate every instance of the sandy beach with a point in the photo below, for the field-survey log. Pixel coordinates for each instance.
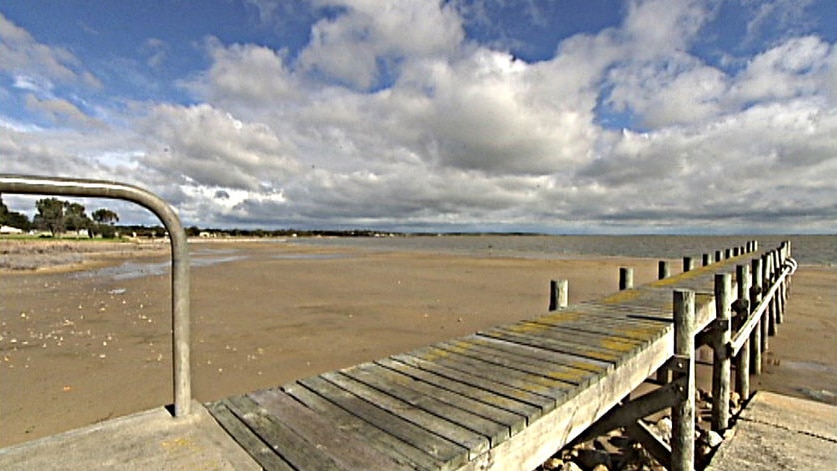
(85, 343)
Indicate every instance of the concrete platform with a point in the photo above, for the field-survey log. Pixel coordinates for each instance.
(145, 440)
(781, 432)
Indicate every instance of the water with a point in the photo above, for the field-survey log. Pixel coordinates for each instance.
(806, 249)
(816, 250)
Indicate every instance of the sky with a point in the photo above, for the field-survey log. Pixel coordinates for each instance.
(565, 116)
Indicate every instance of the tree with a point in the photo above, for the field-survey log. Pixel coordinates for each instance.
(105, 216)
(75, 219)
(4, 211)
(13, 218)
(18, 220)
(50, 215)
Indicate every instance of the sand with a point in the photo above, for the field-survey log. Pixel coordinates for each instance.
(78, 349)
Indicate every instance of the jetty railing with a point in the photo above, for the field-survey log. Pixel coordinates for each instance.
(748, 308)
(180, 282)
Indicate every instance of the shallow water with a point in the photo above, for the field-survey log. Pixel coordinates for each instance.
(806, 249)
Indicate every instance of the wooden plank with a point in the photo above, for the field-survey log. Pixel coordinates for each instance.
(379, 439)
(540, 354)
(290, 446)
(514, 422)
(599, 307)
(474, 442)
(544, 403)
(526, 410)
(387, 382)
(607, 342)
(252, 443)
(345, 449)
(535, 383)
(541, 439)
(550, 344)
(555, 371)
(604, 325)
(435, 445)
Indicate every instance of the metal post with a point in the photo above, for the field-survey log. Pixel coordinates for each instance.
(683, 414)
(721, 363)
(34, 185)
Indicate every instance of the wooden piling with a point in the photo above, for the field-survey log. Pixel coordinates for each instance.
(626, 278)
(688, 264)
(719, 256)
(707, 259)
(683, 414)
(558, 294)
(663, 269)
(721, 359)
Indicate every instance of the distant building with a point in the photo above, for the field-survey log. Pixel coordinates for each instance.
(8, 230)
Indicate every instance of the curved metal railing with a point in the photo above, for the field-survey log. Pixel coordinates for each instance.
(34, 185)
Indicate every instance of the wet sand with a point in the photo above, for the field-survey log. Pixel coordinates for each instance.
(78, 349)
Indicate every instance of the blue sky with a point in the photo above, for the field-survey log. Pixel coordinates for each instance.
(556, 116)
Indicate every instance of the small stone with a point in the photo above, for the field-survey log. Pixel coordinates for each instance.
(713, 438)
(589, 459)
(571, 466)
(664, 428)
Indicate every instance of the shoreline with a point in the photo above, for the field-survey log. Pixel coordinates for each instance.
(99, 347)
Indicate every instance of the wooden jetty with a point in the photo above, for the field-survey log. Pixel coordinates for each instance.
(505, 398)
(511, 396)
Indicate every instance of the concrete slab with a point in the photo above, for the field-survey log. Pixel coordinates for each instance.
(145, 440)
(781, 432)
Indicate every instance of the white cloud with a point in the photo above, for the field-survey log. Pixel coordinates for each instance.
(62, 111)
(23, 54)
(203, 146)
(793, 68)
(391, 116)
(368, 41)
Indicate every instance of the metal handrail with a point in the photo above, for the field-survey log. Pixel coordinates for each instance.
(35, 185)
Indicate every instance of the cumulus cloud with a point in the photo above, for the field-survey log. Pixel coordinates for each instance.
(23, 54)
(62, 111)
(391, 117)
(364, 45)
(201, 145)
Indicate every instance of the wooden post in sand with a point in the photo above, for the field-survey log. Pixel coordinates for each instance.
(721, 359)
(683, 414)
(558, 291)
(707, 259)
(663, 269)
(719, 255)
(688, 264)
(626, 278)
